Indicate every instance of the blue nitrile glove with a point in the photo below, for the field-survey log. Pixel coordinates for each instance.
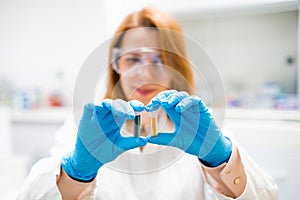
(99, 140)
(195, 130)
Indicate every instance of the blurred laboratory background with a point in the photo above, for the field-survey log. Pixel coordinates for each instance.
(253, 43)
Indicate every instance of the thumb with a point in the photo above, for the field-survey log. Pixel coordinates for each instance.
(88, 111)
(127, 143)
(162, 139)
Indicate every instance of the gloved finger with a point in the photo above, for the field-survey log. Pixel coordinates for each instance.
(161, 138)
(103, 110)
(119, 108)
(174, 99)
(137, 105)
(174, 116)
(109, 125)
(156, 101)
(122, 109)
(188, 103)
(111, 114)
(104, 117)
(103, 107)
(152, 106)
(88, 111)
(127, 143)
(163, 95)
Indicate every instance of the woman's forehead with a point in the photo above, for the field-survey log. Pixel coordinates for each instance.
(141, 37)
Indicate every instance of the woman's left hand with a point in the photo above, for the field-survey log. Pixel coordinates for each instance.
(195, 129)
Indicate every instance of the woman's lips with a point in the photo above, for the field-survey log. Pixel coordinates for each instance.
(144, 92)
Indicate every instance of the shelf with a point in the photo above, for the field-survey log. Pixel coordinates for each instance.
(58, 115)
(198, 10)
(263, 114)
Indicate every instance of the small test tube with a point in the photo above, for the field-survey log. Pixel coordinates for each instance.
(137, 124)
(153, 117)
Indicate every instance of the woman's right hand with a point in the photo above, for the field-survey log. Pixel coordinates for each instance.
(99, 140)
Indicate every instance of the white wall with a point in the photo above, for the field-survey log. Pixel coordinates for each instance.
(249, 50)
(42, 38)
(298, 64)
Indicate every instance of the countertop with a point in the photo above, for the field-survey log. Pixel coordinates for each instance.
(58, 115)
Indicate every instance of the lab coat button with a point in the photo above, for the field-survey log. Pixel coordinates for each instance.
(236, 180)
(228, 171)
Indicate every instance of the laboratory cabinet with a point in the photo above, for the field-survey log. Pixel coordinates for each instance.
(13, 168)
(272, 138)
(33, 131)
(27, 136)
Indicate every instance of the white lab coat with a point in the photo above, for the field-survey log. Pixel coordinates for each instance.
(178, 176)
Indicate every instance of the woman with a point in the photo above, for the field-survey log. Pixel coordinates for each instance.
(190, 158)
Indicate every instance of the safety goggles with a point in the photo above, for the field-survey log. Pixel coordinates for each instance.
(125, 60)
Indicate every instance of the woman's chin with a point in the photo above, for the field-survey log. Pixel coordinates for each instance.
(145, 95)
(144, 99)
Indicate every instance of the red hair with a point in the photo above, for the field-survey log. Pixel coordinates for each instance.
(171, 39)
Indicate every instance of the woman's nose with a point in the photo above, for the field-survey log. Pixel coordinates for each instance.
(143, 72)
(146, 60)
